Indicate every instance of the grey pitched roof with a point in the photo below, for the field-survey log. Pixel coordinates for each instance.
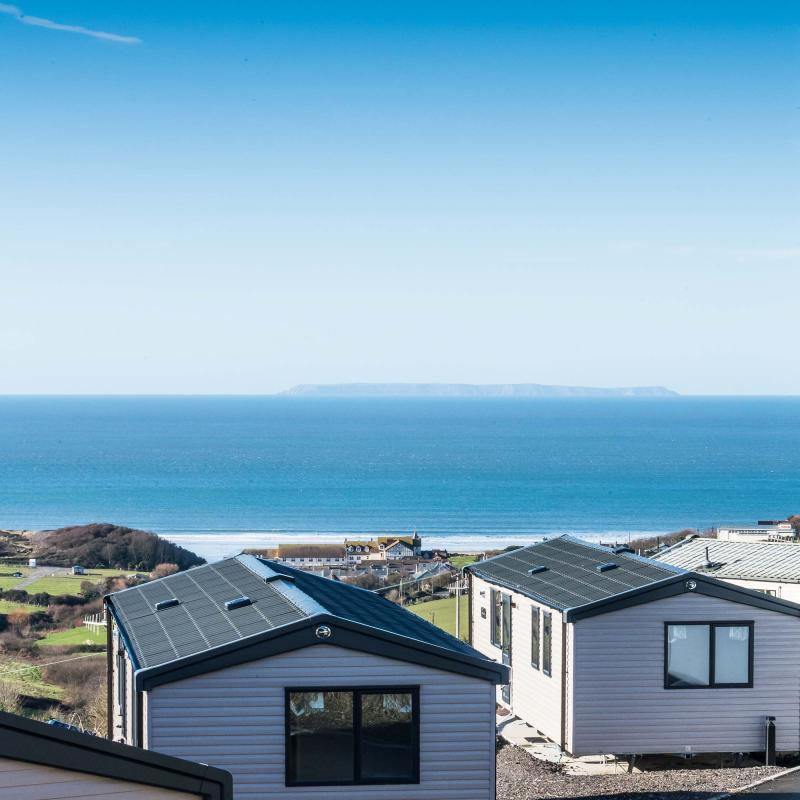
(38, 743)
(199, 620)
(769, 561)
(360, 605)
(280, 596)
(571, 578)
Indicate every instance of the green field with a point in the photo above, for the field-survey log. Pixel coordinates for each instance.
(73, 637)
(459, 562)
(442, 613)
(6, 579)
(70, 584)
(6, 607)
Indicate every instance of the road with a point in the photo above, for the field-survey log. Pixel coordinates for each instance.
(779, 789)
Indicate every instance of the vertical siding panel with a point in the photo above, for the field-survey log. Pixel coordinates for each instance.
(234, 719)
(621, 705)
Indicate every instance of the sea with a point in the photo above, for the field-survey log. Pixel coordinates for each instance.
(218, 474)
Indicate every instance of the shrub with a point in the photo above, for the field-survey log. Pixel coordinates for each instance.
(162, 570)
(9, 698)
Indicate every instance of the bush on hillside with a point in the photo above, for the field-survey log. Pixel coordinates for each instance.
(105, 545)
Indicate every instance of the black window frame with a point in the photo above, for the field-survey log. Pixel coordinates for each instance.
(357, 692)
(712, 625)
(496, 619)
(547, 643)
(536, 637)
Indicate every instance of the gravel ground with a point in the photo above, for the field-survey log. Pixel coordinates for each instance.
(521, 777)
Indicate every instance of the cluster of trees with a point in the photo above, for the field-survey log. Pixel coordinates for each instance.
(113, 546)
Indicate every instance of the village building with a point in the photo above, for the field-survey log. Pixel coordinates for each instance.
(44, 762)
(310, 556)
(610, 652)
(764, 531)
(383, 548)
(300, 686)
(769, 567)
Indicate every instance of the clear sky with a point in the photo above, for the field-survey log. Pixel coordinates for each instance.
(236, 197)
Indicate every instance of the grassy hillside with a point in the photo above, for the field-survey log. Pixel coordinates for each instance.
(73, 637)
(442, 613)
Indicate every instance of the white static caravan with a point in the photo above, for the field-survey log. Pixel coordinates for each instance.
(301, 686)
(769, 567)
(613, 653)
(42, 762)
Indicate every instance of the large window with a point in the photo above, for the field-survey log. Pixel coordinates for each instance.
(535, 637)
(497, 615)
(547, 642)
(708, 655)
(352, 736)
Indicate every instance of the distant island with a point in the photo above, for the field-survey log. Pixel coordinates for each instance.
(469, 390)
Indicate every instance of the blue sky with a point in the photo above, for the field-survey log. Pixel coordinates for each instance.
(254, 195)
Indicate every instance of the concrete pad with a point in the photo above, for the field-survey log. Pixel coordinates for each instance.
(515, 731)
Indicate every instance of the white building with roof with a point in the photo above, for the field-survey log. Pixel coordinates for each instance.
(769, 567)
(762, 532)
(610, 652)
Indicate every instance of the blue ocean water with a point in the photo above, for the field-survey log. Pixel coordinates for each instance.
(218, 469)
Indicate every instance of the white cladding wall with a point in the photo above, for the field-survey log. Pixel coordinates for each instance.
(118, 734)
(234, 719)
(786, 591)
(619, 704)
(535, 697)
(20, 780)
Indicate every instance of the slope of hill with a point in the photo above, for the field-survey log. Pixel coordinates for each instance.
(106, 545)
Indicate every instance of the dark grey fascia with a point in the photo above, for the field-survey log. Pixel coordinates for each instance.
(37, 743)
(109, 604)
(304, 633)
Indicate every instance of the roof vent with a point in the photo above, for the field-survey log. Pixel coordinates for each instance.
(622, 549)
(162, 604)
(237, 602)
(535, 570)
(707, 563)
(605, 567)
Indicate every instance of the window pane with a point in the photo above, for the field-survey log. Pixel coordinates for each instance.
(535, 637)
(496, 613)
(388, 747)
(688, 655)
(732, 654)
(321, 740)
(506, 629)
(547, 641)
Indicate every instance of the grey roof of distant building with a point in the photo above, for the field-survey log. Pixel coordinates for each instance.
(769, 561)
(571, 578)
(311, 550)
(284, 603)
